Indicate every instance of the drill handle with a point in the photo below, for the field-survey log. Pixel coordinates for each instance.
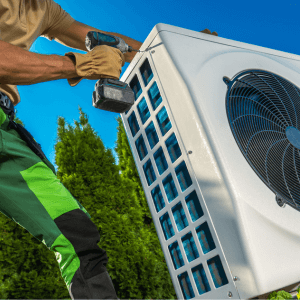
(95, 38)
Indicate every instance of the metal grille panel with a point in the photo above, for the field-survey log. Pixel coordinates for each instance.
(192, 252)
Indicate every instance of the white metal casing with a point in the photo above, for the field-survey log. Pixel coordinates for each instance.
(257, 241)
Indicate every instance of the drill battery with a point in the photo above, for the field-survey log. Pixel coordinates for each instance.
(113, 95)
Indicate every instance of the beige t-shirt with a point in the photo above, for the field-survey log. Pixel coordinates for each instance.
(23, 21)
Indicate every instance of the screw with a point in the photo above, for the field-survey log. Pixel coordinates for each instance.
(280, 201)
(190, 152)
(235, 278)
(152, 51)
(229, 294)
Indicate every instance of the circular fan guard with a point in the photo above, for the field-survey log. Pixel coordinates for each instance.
(263, 111)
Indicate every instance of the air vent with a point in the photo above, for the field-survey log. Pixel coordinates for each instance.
(263, 110)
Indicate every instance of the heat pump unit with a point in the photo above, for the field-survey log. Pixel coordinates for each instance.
(214, 132)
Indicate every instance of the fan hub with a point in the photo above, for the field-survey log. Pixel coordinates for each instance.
(293, 135)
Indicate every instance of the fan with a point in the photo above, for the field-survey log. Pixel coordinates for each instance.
(263, 110)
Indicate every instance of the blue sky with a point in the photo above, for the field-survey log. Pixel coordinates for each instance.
(268, 24)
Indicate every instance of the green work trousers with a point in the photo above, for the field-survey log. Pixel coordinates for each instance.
(32, 196)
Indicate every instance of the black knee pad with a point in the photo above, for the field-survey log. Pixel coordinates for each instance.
(83, 234)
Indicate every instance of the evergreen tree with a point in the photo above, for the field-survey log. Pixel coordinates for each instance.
(129, 172)
(89, 172)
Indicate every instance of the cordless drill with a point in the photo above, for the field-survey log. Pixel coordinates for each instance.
(110, 94)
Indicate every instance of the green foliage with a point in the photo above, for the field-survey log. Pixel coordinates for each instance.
(28, 270)
(119, 209)
(16, 119)
(281, 295)
(129, 172)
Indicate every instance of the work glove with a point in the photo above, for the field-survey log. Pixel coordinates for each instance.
(101, 62)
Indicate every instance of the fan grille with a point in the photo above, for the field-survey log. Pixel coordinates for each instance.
(263, 110)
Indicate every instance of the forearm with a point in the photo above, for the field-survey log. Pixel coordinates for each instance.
(22, 67)
(74, 37)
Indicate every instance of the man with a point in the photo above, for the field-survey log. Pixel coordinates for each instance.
(30, 193)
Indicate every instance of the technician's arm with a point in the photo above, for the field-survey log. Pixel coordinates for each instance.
(74, 37)
(22, 67)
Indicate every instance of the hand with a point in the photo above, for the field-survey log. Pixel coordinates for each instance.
(101, 62)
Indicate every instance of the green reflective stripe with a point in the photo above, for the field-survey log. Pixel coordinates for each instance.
(66, 257)
(55, 198)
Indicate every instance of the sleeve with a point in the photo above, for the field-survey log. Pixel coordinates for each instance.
(57, 20)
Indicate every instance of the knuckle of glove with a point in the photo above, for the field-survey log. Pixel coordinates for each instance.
(107, 62)
(111, 52)
(101, 62)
